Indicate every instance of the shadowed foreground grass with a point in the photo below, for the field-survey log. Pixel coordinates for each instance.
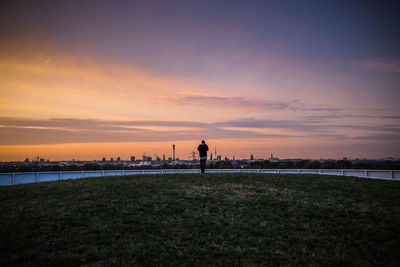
(193, 219)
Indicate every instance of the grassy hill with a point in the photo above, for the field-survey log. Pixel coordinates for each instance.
(193, 219)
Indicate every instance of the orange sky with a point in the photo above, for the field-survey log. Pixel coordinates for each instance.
(57, 106)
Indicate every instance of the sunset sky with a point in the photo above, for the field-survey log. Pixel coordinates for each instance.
(93, 79)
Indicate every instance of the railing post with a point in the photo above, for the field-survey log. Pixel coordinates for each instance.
(366, 173)
(258, 170)
(59, 176)
(342, 172)
(142, 171)
(82, 174)
(13, 178)
(123, 172)
(391, 175)
(162, 171)
(103, 173)
(279, 171)
(37, 177)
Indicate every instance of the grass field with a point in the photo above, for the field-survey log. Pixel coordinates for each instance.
(193, 219)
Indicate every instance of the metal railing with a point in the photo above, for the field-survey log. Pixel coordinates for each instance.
(34, 177)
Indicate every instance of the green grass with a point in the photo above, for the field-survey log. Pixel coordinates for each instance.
(193, 219)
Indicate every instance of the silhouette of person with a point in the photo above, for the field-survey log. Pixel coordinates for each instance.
(203, 148)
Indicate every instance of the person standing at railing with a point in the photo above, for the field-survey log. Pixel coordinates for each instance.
(203, 148)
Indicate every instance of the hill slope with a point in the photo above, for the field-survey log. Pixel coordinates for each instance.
(187, 219)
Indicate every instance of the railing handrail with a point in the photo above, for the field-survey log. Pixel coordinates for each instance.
(31, 177)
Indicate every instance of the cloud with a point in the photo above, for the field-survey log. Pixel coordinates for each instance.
(348, 115)
(312, 127)
(235, 102)
(297, 125)
(87, 124)
(330, 136)
(24, 131)
(382, 65)
(380, 137)
(244, 103)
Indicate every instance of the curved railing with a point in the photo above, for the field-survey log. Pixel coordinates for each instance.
(34, 177)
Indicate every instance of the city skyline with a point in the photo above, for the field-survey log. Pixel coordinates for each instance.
(87, 80)
(169, 156)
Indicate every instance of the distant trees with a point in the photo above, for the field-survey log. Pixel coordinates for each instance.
(239, 164)
(220, 165)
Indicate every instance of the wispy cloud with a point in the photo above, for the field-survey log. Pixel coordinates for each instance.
(25, 131)
(382, 65)
(88, 124)
(303, 126)
(317, 128)
(220, 101)
(351, 115)
(380, 136)
(244, 103)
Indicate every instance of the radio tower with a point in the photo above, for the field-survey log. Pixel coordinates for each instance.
(193, 154)
(173, 151)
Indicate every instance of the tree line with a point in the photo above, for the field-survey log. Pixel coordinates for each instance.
(302, 164)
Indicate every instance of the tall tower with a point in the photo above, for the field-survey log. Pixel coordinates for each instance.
(173, 151)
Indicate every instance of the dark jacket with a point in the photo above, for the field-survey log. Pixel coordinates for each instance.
(203, 148)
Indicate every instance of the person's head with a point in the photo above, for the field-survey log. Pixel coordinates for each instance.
(203, 142)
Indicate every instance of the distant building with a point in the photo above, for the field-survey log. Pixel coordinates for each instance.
(211, 156)
(111, 159)
(219, 157)
(103, 160)
(272, 159)
(163, 157)
(118, 159)
(132, 158)
(251, 157)
(226, 158)
(26, 160)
